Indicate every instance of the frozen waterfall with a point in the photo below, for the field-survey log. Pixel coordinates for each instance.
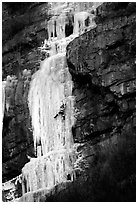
(51, 106)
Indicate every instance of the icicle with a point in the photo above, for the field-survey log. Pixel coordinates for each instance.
(60, 26)
(8, 92)
(3, 98)
(83, 20)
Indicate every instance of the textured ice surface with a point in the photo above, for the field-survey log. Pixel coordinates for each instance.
(51, 107)
(51, 104)
(3, 98)
(82, 21)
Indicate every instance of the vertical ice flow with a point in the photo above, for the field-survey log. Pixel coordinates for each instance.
(51, 107)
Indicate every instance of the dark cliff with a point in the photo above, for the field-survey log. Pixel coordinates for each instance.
(102, 62)
(23, 32)
(24, 29)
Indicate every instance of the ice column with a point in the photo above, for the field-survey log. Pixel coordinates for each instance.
(52, 112)
(51, 106)
(3, 98)
(83, 20)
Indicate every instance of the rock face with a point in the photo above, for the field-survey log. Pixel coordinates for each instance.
(23, 32)
(17, 140)
(102, 62)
